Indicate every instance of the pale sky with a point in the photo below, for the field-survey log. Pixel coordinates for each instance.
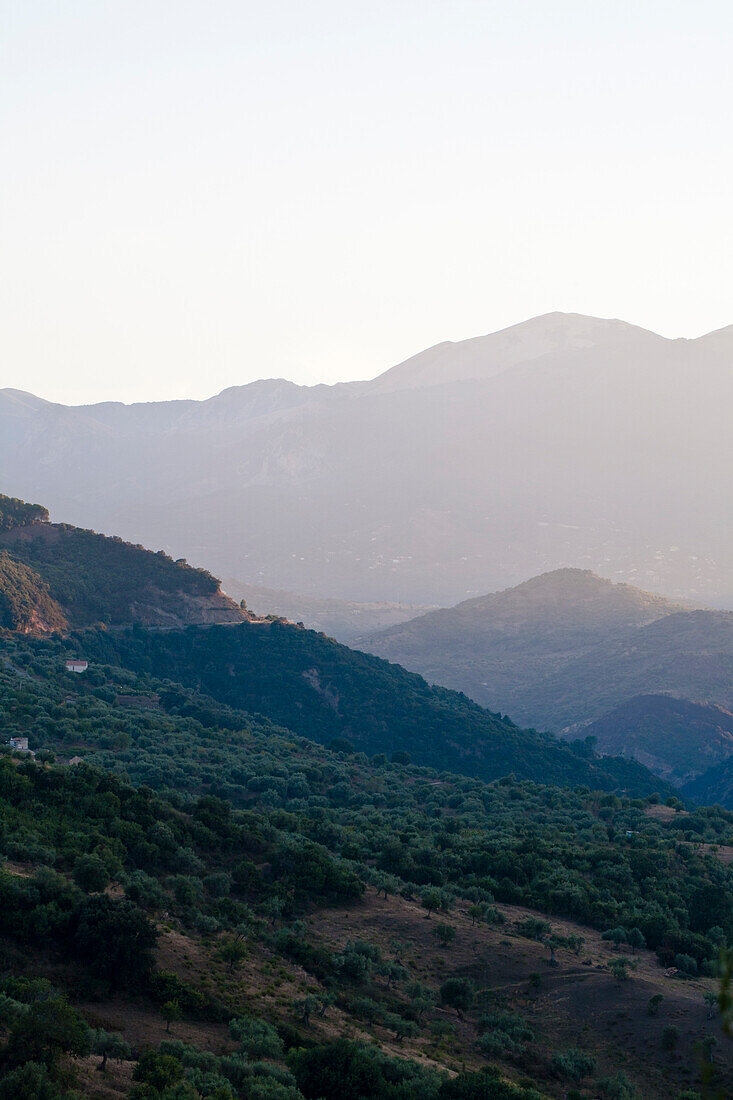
(198, 194)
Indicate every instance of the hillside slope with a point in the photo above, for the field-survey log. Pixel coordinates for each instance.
(53, 575)
(563, 647)
(327, 692)
(295, 677)
(714, 787)
(467, 468)
(258, 877)
(676, 738)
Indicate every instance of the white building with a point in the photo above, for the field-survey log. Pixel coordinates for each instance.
(77, 666)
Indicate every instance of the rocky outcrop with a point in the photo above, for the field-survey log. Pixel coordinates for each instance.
(176, 609)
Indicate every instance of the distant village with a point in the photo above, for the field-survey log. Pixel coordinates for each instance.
(78, 667)
(21, 744)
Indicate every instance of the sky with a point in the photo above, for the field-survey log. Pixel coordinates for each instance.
(198, 194)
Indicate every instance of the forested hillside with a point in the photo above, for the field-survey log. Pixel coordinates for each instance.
(245, 862)
(675, 738)
(328, 692)
(65, 574)
(188, 901)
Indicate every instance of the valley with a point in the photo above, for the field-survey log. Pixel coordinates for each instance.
(245, 857)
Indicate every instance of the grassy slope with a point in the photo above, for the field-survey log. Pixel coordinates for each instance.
(578, 1004)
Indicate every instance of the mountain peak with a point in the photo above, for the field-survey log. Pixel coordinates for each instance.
(483, 357)
(540, 650)
(570, 595)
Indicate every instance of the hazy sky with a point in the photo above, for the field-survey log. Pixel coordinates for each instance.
(197, 194)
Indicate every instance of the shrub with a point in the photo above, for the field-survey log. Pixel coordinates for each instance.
(257, 1038)
(90, 874)
(158, 1070)
(617, 1087)
(573, 1064)
(686, 965)
(115, 938)
(31, 1081)
(457, 993)
(46, 1031)
(533, 928)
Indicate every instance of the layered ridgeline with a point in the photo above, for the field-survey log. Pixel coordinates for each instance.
(676, 738)
(465, 469)
(324, 691)
(53, 576)
(567, 647)
(714, 787)
(645, 677)
(297, 678)
(217, 905)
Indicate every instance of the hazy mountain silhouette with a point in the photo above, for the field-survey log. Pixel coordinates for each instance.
(567, 647)
(565, 440)
(675, 738)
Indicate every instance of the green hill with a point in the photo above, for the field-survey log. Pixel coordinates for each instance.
(53, 575)
(249, 863)
(676, 738)
(91, 578)
(327, 692)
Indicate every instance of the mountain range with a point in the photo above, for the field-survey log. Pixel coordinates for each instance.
(565, 440)
(564, 647)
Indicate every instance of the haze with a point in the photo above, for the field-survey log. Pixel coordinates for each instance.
(197, 195)
(564, 441)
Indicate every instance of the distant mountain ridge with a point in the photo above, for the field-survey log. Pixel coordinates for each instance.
(565, 440)
(675, 738)
(566, 648)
